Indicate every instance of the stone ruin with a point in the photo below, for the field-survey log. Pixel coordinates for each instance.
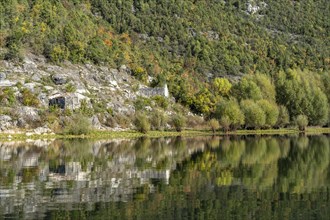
(150, 92)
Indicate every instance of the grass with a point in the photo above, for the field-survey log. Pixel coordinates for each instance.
(154, 134)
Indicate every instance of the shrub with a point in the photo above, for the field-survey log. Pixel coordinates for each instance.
(70, 88)
(214, 124)
(85, 109)
(302, 122)
(222, 86)
(141, 123)
(141, 102)
(231, 110)
(161, 101)
(78, 125)
(179, 121)
(158, 120)
(123, 121)
(7, 96)
(29, 99)
(225, 123)
(140, 73)
(255, 117)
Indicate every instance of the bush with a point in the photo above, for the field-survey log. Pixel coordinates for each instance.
(78, 125)
(141, 102)
(231, 110)
(141, 123)
(158, 120)
(179, 122)
(255, 117)
(161, 101)
(222, 86)
(302, 122)
(29, 99)
(214, 124)
(7, 96)
(225, 123)
(70, 88)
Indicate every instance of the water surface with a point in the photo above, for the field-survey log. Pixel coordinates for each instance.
(277, 177)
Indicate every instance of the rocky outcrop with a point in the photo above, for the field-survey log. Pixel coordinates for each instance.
(6, 123)
(68, 86)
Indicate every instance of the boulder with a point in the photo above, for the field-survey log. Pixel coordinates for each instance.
(59, 79)
(95, 122)
(28, 113)
(6, 122)
(125, 69)
(2, 76)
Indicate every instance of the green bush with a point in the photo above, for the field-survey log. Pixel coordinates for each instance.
(158, 120)
(225, 123)
(214, 125)
(78, 125)
(141, 123)
(29, 99)
(255, 117)
(7, 96)
(271, 112)
(161, 101)
(141, 102)
(231, 111)
(301, 122)
(179, 122)
(85, 109)
(70, 88)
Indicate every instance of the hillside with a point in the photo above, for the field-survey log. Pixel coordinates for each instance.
(190, 44)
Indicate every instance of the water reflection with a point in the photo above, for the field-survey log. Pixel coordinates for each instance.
(205, 177)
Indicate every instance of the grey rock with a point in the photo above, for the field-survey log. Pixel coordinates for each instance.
(2, 76)
(95, 122)
(5, 122)
(42, 130)
(36, 77)
(28, 113)
(59, 79)
(125, 69)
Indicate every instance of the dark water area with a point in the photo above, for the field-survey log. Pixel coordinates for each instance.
(269, 177)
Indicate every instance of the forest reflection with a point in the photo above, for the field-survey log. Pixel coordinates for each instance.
(201, 177)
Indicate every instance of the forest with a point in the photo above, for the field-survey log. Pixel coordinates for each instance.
(247, 64)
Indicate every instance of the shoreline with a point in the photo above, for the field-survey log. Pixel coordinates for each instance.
(98, 134)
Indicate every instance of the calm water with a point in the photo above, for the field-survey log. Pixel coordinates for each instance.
(167, 178)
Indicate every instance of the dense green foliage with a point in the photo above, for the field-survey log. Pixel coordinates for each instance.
(281, 50)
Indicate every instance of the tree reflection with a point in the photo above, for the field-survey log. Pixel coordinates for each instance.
(181, 178)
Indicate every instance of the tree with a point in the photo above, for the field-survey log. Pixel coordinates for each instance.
(178, 122)
(214, 124)
(301, 122)
(230, 111)
(255, 117)
(222, 86)
(271, 112)
(283, 117)
(142, 123)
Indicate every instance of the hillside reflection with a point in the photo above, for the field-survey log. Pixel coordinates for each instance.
(147, 178)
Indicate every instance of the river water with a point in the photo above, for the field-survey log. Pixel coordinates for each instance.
(246, 177)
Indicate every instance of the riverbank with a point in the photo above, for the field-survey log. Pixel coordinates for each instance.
(154, 134)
